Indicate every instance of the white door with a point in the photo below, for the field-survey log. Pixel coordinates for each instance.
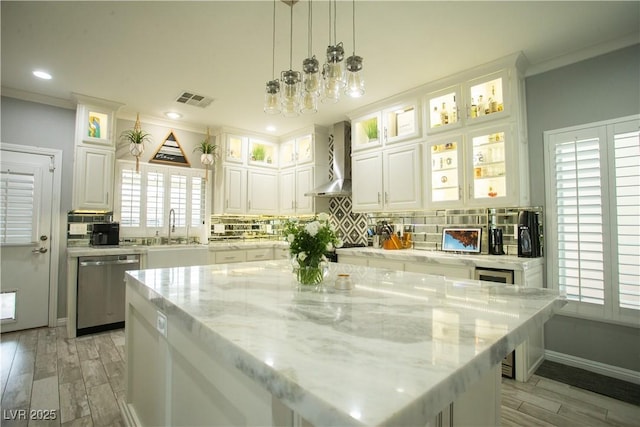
(402, 178)
(367, 182)
(304, 184)
(26, 196)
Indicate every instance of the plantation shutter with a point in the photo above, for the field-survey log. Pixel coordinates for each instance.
(197, 201)
(627, 200)
(178, 199)
(155, 199)
(579, 214)
(130, 198)
(18, 213)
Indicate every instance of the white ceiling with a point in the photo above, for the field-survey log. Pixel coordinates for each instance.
(144, 54)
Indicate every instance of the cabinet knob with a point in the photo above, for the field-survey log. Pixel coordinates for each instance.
(378, 197)
(386, 197)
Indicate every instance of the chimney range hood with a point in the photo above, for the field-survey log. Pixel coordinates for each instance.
(340, 185)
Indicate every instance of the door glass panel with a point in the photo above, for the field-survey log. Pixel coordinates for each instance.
(443, 110)
(234, 148)
(366, 132)
(489, 166)
(401, 122)
(445, 171)
(261, 153)
(487, 98)
(304, 149)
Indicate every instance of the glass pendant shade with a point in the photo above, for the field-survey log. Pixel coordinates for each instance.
(311, 75)
(355, 82)
(272, 97)
(290, 93)
(309, 102)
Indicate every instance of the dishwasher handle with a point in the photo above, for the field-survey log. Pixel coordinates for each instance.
(114, 262)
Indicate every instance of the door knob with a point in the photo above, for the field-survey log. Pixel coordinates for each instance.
(43, 238)
(39, 251)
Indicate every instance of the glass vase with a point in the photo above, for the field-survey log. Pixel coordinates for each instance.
(310, 276)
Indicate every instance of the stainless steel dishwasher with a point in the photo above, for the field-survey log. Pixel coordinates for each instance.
(101, 291)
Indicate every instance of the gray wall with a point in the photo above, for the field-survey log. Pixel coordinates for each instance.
(600, 88)
(39, 125)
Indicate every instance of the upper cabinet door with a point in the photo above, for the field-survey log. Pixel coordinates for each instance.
(304, 149)
(442, 110)
(445, 172)
(401, 122)
(287, 154)
(487, 97)
(366, 132)
(235, 148)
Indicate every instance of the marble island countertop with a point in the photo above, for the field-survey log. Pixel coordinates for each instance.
(438, 257)
(396, 349)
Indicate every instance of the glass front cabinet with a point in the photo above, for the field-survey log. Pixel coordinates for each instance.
(475, 101)
(486, 167)
(399, 122)
(234, 148)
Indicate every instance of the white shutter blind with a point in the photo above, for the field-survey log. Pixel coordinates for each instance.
(130, 198)
(179, 198)
(155, 199)
(580, 219)
(197, 201)
(627, 184)
(17, 207)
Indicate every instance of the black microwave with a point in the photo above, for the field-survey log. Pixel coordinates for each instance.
(107, 234)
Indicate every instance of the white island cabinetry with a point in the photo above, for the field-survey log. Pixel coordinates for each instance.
(223, 348)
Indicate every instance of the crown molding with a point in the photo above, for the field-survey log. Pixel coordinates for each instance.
(38, 98)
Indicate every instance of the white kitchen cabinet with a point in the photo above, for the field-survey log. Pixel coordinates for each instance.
(297, 151)
(93, 178)
(262, 192)
(260, 254)
(484, 167)
(235, 190)
(397, 122)
(452, 271)
(94, 155)
(230, 256)
(442, 109)
(235, 148)
(294, 183)
(176, 256)
(388, 180)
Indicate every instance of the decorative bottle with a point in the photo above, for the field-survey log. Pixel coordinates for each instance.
(444, 115)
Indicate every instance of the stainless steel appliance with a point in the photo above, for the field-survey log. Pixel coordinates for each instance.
(101, 291)
(500, 276)
(528, 235)
(105, 234)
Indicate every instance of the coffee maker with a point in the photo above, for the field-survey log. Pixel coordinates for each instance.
(495, 242)
(528, 235)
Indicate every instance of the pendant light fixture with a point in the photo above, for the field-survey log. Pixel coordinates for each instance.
(272, 95)
(310, 73)
(291, 81)
(332, 71)
(354, 80)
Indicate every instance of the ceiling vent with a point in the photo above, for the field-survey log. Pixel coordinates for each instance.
(190, 98)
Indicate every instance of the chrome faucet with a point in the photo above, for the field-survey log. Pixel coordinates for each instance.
(172, 226)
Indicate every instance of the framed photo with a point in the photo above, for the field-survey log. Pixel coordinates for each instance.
(97, 126)
(463, 240)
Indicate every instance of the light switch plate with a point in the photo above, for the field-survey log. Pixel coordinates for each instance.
(161, 323)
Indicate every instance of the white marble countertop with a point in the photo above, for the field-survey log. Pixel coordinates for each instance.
(78, 251)
(437, 257)
(396, 349)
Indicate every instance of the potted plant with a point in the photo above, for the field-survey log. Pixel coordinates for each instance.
(258, 153)
(136, 138)
(371, 129)
(208, 153)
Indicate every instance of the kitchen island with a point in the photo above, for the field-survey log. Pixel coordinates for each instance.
(239, 344)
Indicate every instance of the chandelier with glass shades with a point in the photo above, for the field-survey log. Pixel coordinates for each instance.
(299, 92)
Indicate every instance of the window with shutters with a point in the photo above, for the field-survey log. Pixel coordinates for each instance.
(593, 211)
(146, 197)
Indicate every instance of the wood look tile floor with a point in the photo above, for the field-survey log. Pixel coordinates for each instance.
(82, 379)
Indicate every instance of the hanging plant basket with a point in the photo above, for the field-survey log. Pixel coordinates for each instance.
(208, 153)
(136, 138)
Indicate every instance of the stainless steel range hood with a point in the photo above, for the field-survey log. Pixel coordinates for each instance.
(341, 183)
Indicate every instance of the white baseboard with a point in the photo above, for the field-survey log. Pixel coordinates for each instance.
(593, 366)
(62, 321)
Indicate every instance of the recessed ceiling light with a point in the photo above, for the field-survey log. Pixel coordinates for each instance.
(42, 75)
(173, 115)
(271, 128)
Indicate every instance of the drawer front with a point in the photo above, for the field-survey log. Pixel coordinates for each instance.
(281, 253)
(259, 254)
(224, 257)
